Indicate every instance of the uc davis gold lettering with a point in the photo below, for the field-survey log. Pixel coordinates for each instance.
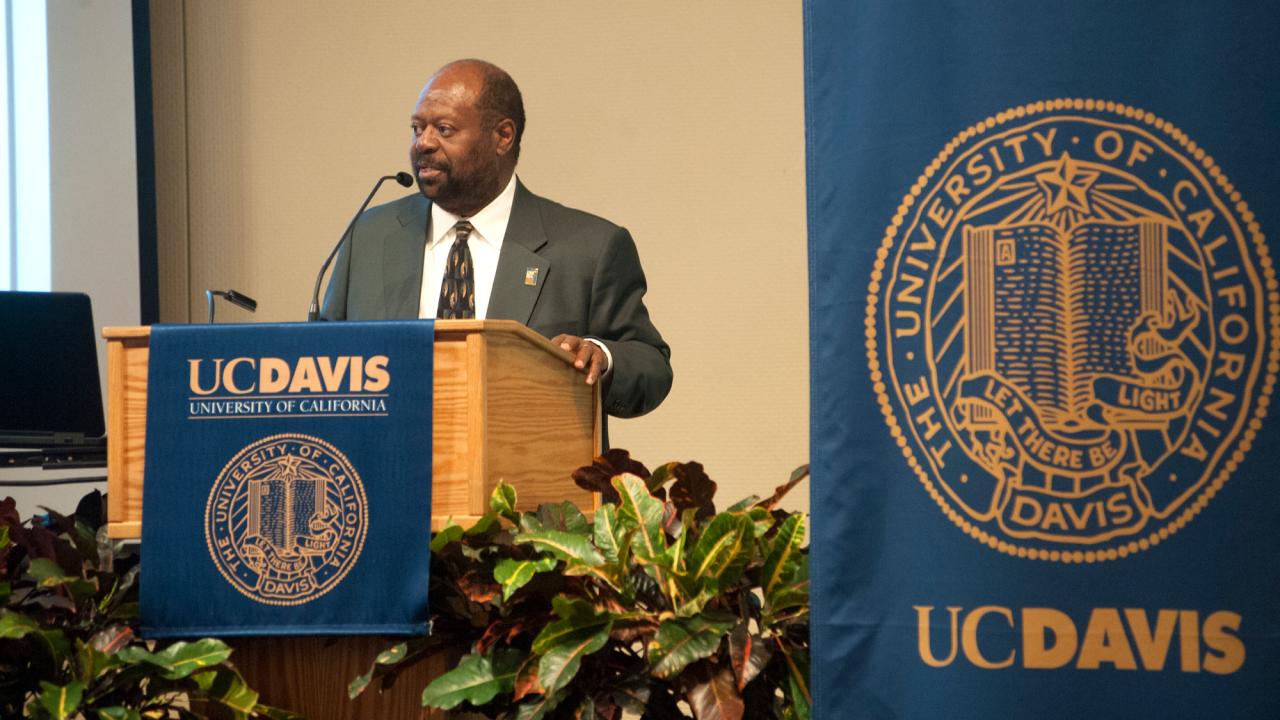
(272, 375)
(993, 637)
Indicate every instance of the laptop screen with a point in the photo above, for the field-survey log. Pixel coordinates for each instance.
(49, 391)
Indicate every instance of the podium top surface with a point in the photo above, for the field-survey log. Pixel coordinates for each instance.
(442, 328)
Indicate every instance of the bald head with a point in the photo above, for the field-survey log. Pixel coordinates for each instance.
(466, 135)
(497, 96)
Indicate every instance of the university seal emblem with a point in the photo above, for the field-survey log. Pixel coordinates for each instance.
(1071, 330)
(286, 519)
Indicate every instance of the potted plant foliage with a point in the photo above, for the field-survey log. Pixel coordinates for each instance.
(658, 607)
(68, 632)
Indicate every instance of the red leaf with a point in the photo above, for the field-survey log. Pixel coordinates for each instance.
(596, 477)
(693, 489)
(716, 698)
(527, 680)
(748, 654)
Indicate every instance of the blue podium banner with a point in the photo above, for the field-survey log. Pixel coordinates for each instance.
(288, 479)
(1044, 323)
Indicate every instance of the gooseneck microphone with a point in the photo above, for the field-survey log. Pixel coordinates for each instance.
(234, 297)
(404, 179)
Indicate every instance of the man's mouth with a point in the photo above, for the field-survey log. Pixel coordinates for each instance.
(430, 172)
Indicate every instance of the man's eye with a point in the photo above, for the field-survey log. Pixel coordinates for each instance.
(416, 130)
(446, 130)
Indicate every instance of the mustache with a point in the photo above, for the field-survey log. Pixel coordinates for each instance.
(424, 164)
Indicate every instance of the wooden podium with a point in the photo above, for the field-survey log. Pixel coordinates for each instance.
(507, 406)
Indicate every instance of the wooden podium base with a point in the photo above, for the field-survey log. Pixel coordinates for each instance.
(309, 675)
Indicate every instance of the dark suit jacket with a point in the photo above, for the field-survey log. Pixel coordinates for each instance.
(590, 284)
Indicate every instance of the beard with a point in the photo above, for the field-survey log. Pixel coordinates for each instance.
(461, 188)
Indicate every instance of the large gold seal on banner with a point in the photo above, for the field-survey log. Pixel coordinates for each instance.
(1071, 330)
(286, 519)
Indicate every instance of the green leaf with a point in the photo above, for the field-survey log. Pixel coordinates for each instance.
(563, 516)
(673, 558)
(61, 701)
(450, 533)
(514, 574)
(93, 662)
(743, 504)
(48, 573)
(228, 688)
(16, 625)
(477, 680)
(723, 549)
(271, 713)
(578, 618)
(681, 641)
(358, 685)
(503, 501)
(59, 646)
(180, 659)
(780, 564)
(640, 510)
(762, 520)
(185, 658)
(661, 475)
(631, 694)
(695, 605)
(794, 593)
(482, 526)
(561, 661)
(392, 655)
(537, 709)
(611, 538)
(797, 694)
(118, 713)
(565, 546)
(84, 538)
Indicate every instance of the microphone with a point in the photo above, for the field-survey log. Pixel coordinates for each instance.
(238, 299)
(313, 312)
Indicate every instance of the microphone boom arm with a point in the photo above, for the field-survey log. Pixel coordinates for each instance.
(313, 312)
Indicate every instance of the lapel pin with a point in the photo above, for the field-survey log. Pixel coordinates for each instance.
(531, 276)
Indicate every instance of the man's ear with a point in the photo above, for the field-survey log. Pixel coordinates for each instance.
(505, 131)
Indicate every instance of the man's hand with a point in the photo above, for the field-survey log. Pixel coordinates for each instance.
(587, 356)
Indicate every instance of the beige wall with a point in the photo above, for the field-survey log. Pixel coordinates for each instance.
(682, 121)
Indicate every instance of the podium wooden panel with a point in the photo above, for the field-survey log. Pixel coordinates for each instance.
(507, 405)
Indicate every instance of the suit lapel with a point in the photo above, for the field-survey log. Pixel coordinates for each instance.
(402, 261)
(521, 271)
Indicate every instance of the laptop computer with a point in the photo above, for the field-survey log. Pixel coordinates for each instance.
(50, 395)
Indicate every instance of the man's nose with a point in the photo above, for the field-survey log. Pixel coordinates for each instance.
(427, 141)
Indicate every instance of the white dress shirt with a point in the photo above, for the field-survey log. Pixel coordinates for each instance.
(485, 244)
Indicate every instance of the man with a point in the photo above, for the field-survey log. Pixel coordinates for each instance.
(476, 243)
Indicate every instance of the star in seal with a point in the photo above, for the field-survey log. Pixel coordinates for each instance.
(1066, 187)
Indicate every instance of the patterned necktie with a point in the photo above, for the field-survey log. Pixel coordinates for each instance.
(458, 290)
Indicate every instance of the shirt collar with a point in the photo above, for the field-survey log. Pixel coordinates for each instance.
(490, 223)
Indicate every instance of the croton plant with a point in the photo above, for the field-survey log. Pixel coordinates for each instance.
(69, 647)
(658, 606)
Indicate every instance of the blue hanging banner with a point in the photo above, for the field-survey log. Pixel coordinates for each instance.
(1044, 345)
(288, 479)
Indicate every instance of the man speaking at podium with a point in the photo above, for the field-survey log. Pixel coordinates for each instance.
(475, 243)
